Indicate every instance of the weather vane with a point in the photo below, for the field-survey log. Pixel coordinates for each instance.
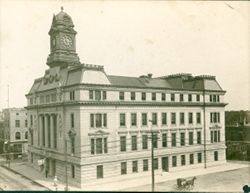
(61, 8)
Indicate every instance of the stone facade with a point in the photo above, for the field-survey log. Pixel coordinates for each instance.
(100, 125)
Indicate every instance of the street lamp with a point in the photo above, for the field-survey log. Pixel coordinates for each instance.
(6, 143)
(55, 182)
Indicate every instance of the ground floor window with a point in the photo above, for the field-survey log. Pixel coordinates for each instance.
(216, 156)
(156, 163)
(199, 157)
(174, 161)
(99, 171)
(191, 158)
(124, 168)
(145, 165)
(183, 160)
(135, 166)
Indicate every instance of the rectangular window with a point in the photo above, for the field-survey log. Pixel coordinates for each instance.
(216, 156)
(190, 118)
(123, 143)
(105, 141)
(72, 141)
(182, 118)
(198, 137)
(173, 118)
(26, 123)
(218, 136)
(163, 118)
(155, 141)
(211, 98)
(92, 120)
(31, 121)
(121, 95)
(163, 96)
(198, 118)
(122, 119)
(198, 98)
(191, 158)
(164, 140)
(104, 95)
(172, 96)
(133, 119)
(132, 96)
(72, 120)
(98, 120)
(212, 136)
(91, 94)
(123, 168)
(72, 171)
(190, 138)
(99, 171)
(144, 119)
(174, 161)
(134, 166)
(72, 95)
(189, 97)
(97, 95)
(134, 143)
(182, 139)
(155, 163)
(17, 123)
(214, 98)
(144, 142)
(199, 157)
(218, 98)
(99, 145)
(181, 98)
(145, 165)
(153, 96)
(215, 137)
(143, 96)
(92, 146)
(173, 139)
(154, 118)
(183, 160)
(105, 120)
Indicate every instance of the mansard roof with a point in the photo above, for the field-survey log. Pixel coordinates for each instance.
(94, 75)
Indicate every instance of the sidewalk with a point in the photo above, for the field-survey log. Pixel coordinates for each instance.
(124, 182)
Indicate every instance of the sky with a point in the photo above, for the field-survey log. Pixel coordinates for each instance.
(130, 38)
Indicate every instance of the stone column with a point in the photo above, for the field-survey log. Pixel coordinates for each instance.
(52, 120)
(40, 134)
(46, 130)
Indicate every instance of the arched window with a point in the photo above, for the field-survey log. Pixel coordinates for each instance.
(18, 135)
(26, 135)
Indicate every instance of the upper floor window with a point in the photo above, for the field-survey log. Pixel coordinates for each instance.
(182, 118)
(163, 96)
(72, 95)
(214, 98)
(214, 117)
(26, 135)
(72, 171)
(198, 137)
(47, 98)
(31, 120)
(174, 161)
(172, 97)
(199, 157)
(133, 119)
(53, 97)
(91, 94)
(134, 143)
(31, 101)
(121, 95)
(182, 139)
(144, 142)
(198, 98)
(17, 135)
(98, 120)
(104, 95)
(164, 140)
(181, 98)
(132, 96)
(163, 118)
(143, 96)
(153, 96)
(144, 119)
(190, 138)
(17, 123)
(41, 99)
(173, 139)
(215, 136)
(123, 143)
(189, 97)
(173, 118)
(190, 118)
(99, 145)
(154, 118)
(98, 95)
(26, 123)
(72, 120)
(191, 158)
(198, 118)
(122, 119)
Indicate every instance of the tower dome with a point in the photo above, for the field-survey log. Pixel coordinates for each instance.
(62, 18)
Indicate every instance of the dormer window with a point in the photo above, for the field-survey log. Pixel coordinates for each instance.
(132, 95)
(121, 95)
(98, 95)
(153, 96)
(172, 97)
(189, 97)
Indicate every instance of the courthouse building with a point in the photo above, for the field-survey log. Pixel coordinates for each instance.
(100, 124)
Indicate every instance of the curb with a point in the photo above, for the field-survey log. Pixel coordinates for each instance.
(35, 182)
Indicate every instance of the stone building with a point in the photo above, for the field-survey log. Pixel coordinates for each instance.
(100, 125)
(14, 131)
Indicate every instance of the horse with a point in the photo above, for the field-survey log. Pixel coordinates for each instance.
(190, 183)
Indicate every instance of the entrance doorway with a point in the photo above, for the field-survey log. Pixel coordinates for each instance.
(164, 164)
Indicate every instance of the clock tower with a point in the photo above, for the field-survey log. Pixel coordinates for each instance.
(62, 41)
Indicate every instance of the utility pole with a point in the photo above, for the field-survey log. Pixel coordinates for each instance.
(66, 168)
(152, 161)
(204, 126)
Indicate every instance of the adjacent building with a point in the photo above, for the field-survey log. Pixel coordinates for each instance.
(94, 125)
(14, 131)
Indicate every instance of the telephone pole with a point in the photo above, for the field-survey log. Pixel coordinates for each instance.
(152, 161)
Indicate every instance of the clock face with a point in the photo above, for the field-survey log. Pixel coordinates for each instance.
(66, 41)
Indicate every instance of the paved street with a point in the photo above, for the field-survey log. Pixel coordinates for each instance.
(13, 181)
(228, 181)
